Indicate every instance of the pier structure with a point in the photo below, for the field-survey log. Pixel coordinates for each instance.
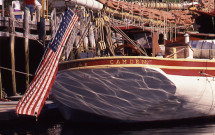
(22, 44)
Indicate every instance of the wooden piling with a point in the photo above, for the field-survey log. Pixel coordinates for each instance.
(43, 8)
(12, 47)
(3, 8)
(26, 34)
(38, 13)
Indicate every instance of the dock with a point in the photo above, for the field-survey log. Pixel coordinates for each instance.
(23, 42)
(24, 39)
(8, 109)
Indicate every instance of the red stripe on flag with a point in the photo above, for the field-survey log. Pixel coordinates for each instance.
(32, 86)
(53, 71)
(47, 92)
(34, 98)
(46, 81)
(50, 84)
(42, 82)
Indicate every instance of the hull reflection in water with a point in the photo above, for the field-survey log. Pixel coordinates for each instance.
(130, 93)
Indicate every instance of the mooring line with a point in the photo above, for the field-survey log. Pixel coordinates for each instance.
(15, 71)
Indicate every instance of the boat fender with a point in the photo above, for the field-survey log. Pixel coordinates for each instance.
(92, 38)
(86, 44)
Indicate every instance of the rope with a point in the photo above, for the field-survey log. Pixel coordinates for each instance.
(168, 56)
(83, 35)
(100, 25)
(130, 40)
(205, 74)
(15, 71)
(179, 51)
(212, 102)
(109, 39)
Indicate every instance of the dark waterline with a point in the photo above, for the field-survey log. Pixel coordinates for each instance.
(51, 123)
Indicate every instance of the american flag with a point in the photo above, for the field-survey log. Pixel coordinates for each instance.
(33, 100)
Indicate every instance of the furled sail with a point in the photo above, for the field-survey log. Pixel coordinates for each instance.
(93, 4)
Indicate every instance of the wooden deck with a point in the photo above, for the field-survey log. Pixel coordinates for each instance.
(8, 109)
(10, 22)
(4, 26)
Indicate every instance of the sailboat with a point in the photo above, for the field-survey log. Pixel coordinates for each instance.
(128, 85)
(111, 72)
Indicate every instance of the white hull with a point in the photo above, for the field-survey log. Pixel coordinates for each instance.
(133, 94)
(198, 91)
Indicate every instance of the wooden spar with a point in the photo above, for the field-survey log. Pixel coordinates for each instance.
(47, 8)
(26, 33)
(12, 47)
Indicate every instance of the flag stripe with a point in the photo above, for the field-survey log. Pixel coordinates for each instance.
(31, 88)
(66, 36)
(37, 82)
(44, 75)
(47, 93)
(34, 98)
(45, 81)
(50, 74)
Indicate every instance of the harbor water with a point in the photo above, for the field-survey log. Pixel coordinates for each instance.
(53, 124)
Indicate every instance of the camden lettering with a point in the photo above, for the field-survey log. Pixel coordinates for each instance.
(128, 61)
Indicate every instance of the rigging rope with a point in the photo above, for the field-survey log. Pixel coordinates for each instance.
(108, 35)
(126, 37)
(15, 71)
(84, 34)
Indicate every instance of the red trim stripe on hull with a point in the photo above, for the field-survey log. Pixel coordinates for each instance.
(169, 66)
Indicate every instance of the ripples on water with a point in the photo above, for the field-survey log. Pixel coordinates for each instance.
(56, 126)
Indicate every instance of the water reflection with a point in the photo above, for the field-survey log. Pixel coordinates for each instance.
(52, 127)
(184, 129)
(131, 94)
